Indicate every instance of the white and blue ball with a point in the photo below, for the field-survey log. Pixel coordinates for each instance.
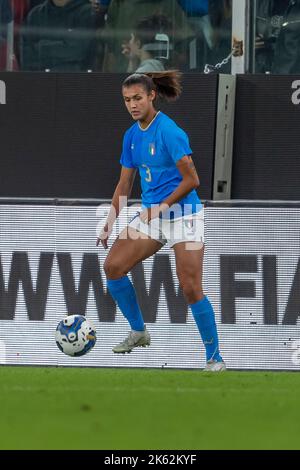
(75, 335)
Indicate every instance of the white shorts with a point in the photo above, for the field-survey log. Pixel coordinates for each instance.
(189, 229)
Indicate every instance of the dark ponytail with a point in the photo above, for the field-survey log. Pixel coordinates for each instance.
(167, 84)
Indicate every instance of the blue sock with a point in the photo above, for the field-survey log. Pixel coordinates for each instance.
(123, 293)
(205, 319)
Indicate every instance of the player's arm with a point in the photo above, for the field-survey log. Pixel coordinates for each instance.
(119, 200)
(124, 187)
(190, 181)
(122, 192)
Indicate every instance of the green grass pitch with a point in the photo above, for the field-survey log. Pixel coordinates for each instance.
(66, 408)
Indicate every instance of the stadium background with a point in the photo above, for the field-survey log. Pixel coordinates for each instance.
(60, 141)
(50, 266)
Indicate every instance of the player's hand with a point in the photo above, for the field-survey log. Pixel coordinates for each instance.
(126, 50)
(104, 236)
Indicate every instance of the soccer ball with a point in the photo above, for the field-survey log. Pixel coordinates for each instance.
(75, 335)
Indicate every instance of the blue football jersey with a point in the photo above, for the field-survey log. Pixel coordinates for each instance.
(154, 151)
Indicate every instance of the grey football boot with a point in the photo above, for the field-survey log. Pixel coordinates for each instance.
(134, 339)
(215, 366)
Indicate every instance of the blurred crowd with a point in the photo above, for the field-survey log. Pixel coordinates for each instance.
(141, 35)
(278, 36)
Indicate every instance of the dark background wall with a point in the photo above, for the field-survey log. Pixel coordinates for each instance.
(266, 163)
(61, 134)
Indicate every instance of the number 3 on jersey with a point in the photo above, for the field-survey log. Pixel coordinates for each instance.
(148, 173)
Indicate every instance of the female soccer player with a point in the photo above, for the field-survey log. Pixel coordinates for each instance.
(171, 211)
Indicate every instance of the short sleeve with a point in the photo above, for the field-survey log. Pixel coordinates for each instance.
(126, 157)
(177, 143)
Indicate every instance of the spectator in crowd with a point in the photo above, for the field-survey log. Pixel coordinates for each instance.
(199, 20)
(197, 13)
(59, 35)
(34, 3)
(220, 14)
(149, 46)
(5, 18)
(100, 8)
(100, 5)
(269, 19)
(123, 15)
(20, 10)
(287, 52)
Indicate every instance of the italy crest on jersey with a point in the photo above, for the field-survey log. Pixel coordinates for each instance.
(152, 149)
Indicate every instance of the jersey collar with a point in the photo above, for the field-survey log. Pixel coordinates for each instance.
(146, 128)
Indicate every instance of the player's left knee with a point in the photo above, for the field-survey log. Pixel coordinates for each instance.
(191, 290)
